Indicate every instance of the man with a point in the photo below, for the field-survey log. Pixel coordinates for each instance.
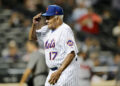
(85, 65)
(12, 51)
(60, 47)
(90, 22)
(36, 65)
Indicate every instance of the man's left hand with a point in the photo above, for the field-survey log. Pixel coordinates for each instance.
(54, 77)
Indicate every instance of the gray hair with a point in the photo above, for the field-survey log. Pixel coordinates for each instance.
(60, 16)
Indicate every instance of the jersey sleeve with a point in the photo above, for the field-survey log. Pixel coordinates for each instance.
(41, 33)
(69, 42)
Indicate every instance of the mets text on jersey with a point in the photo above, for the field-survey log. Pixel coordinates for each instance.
(50, 44)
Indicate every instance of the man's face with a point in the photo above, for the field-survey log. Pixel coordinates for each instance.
(13, 51)
(51, 22)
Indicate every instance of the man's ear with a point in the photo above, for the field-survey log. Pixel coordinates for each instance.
(58, 19)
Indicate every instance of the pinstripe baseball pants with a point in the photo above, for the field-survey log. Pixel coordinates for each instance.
(69, 76)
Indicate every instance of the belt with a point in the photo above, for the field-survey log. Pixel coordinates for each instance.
(54, 68)
(76, 59)
(85, 78)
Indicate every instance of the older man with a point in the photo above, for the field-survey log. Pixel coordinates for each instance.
(60, 47)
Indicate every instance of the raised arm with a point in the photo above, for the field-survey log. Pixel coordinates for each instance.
(38, 22)
(32, 33)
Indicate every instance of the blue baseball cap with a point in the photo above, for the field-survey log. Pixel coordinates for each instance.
(53, 10)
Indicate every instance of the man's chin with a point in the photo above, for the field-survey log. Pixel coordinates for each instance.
(49, 27)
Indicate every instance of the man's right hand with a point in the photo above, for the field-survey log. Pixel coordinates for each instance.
(38, 21)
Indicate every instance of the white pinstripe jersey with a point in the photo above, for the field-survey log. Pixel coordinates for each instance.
(58, 43)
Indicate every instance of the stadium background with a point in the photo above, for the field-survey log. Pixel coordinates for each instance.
(101, 38)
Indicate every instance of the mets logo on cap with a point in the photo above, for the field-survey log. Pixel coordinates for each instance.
(70, 42)
(46, 9)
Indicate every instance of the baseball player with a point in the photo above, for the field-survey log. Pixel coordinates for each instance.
(60, 47)
(85, 65)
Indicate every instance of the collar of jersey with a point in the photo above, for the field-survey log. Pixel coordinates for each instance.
(56, 28)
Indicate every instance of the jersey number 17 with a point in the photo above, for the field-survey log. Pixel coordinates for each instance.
(52, 55)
